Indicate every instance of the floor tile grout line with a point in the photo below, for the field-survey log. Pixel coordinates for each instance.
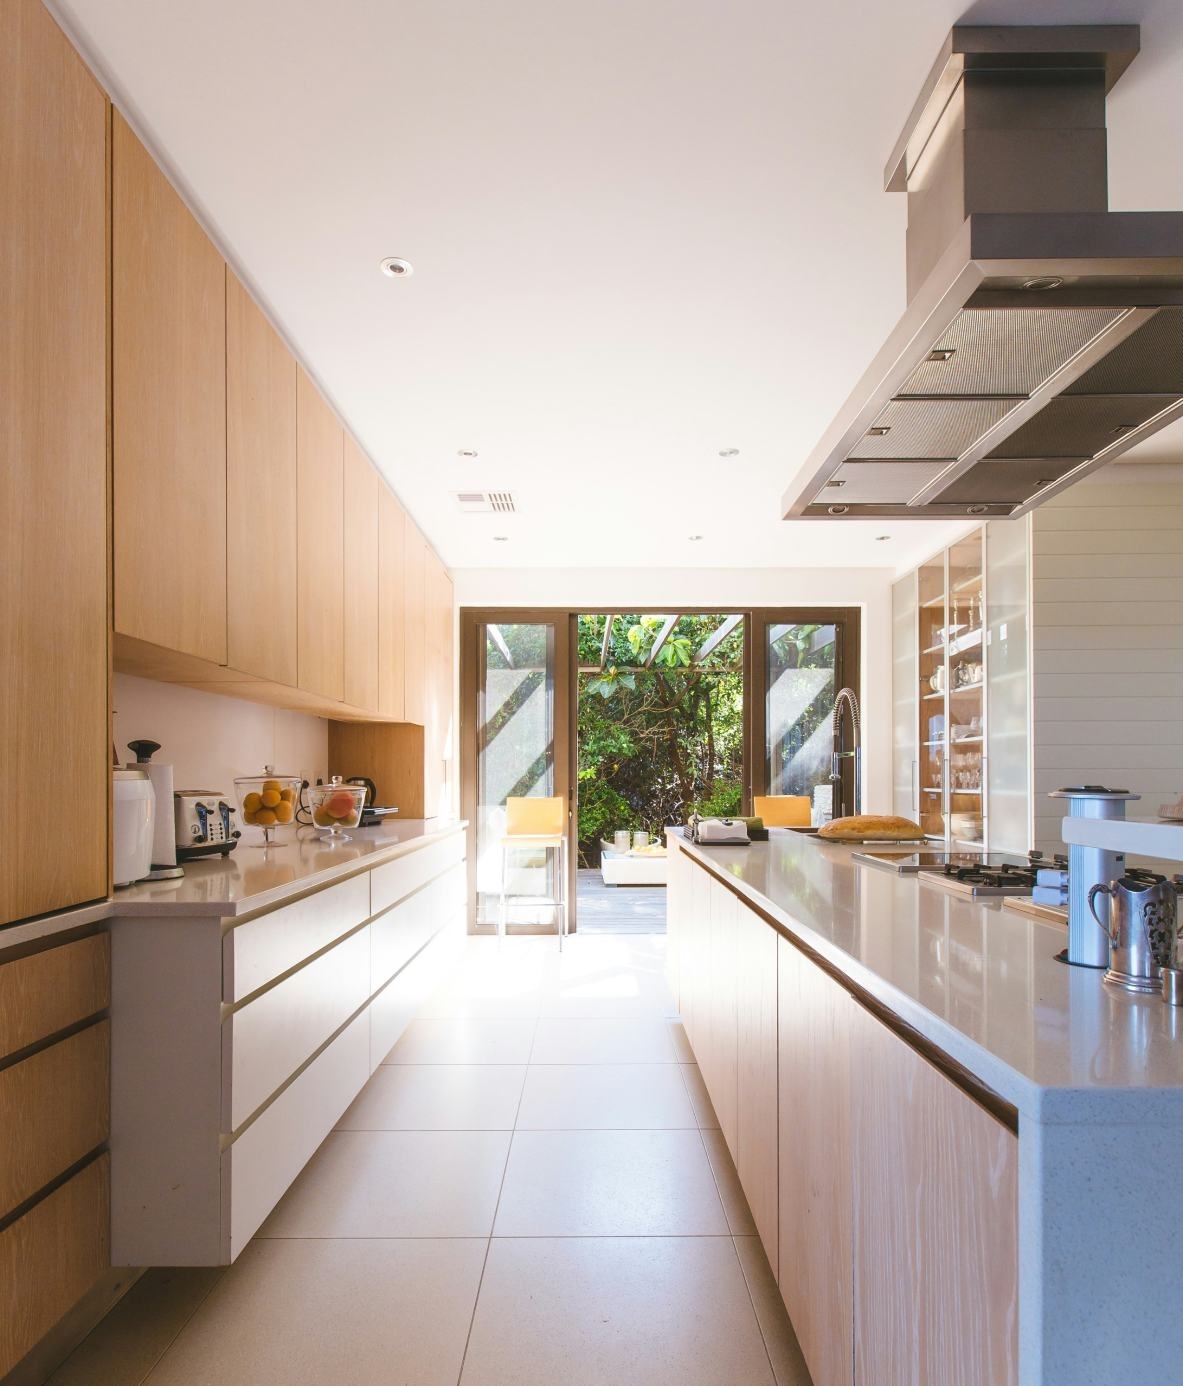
(156, 1361)
(755, 1312)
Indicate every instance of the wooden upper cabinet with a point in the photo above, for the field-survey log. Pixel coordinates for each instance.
(320, 495)
(169, 368)
(415, 633)
(362, 489)
(261, 553)
(53, 476)
(438, 679)
(935, 1222)
(391, 612)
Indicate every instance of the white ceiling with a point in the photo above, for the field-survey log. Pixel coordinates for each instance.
(642, 231)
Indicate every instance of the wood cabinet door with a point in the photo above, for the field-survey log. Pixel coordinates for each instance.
(320, 512)
(756, 1090)
(415, 626)
(261, 553)
(391, 604)
(438, 677)
(53, 477)
(168, 303)
(723, 1077)
(362, 489)
(813, 1035)
(935, 1223)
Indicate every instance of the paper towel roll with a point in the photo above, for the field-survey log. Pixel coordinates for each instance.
(164, 832)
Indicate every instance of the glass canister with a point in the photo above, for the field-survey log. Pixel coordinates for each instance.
(268, 801)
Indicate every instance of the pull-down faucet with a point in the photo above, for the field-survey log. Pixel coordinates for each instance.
(848, 698)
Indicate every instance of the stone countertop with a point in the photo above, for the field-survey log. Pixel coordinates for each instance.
(980, 981)
(249, 879)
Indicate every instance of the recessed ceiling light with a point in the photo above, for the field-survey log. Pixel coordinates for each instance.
(396, 267)
(837, 509)
(728, 452)
(976, 509)
(1043, 282)
(501, 538)
(467, 452)
(694, 538)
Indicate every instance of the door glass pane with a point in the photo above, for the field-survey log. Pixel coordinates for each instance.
(516, 739)
(802, 681)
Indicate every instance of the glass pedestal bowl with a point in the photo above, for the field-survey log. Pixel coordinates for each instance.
(268, 802)
(336, 806)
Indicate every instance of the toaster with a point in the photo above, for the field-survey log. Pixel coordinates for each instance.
(205, 823)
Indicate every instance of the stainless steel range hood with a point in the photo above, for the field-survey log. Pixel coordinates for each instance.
(1043, 334)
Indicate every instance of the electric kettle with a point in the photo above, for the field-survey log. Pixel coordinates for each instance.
(1142, 924)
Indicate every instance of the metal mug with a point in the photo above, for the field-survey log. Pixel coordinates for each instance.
(1143, 915)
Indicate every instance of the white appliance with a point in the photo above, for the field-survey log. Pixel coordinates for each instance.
(134, 822)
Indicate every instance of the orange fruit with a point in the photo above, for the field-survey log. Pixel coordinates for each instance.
(288, 795)
(251, 804)
(322, 817)
(270, 798)
(265, 818)
(341, 804)
(284, 813)
(271, 784)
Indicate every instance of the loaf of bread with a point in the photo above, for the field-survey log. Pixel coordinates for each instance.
(862, 826)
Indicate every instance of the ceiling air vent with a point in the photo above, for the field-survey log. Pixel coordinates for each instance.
(485, 502)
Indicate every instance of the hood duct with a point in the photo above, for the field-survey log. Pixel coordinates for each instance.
(1044, 334)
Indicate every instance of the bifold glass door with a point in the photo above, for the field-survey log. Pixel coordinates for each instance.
(521, 743)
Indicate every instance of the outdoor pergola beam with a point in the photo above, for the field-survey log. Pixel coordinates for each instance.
(499, 640)
(662, 636)
(606, 642)
(716, 638)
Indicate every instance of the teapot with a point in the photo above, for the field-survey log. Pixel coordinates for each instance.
(1142, 928)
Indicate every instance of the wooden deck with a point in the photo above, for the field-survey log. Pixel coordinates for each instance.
(605, 909)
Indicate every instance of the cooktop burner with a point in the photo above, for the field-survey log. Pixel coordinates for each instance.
(910, 862)
(978, 881)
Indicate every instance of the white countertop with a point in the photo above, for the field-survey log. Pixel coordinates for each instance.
(980, 981)
(249, 879)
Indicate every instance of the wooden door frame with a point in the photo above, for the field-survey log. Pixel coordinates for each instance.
(566, 749)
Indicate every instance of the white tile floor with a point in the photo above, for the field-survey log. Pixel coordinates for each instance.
(531, 1190)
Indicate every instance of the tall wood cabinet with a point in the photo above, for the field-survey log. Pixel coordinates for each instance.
(415, 625)
(261, 541)
(391, 607)
(320, 525)
(168, 292)
(360, 569)
(53, 478)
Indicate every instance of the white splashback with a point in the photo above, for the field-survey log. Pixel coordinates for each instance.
(209, 739)
(1107, 627)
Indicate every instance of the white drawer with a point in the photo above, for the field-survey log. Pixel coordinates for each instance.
(271, 1036)
(392, 1010)
(396, 879)
(262, 949)
(397, 935)
(258, 1168)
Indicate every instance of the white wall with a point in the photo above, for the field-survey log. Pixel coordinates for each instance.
(1107, 588)
(655, 589)
(209, 739)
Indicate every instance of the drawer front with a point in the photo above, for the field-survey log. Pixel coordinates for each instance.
(54, 1109)
(258, 1168)
(271, 1036)
(262, 949)
(397, 878)
(395, 1006)
(45, 992)
(397, 935)
(50, 1258)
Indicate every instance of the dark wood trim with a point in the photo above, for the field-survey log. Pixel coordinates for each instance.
(973, 1087)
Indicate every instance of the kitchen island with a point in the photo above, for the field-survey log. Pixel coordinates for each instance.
(252, 1000)
(960, 1153)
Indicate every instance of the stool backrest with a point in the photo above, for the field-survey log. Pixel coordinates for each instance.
(535, 817)
(782, 810)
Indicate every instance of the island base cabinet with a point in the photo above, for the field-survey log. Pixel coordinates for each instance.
(935, 1229)
(813, 1050)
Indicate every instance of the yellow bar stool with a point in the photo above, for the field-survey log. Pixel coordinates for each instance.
(782, 810)
(532, 825)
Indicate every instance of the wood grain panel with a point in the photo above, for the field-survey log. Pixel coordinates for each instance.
(722, 1077)
(415, 630)
(756, 1089)
(362, 490)
(320, 494)
(815, 1173)
(935, 1223)
(389, 753)
(45, 992)
(55, 1109)
(169, 417)
(438, 675)
(50, 1258)
(261, 549)
(391, 604)
(53, 478)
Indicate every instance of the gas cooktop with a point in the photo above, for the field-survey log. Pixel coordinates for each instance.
(910, 862)
(980, 881)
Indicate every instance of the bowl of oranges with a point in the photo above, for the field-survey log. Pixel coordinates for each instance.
(336, 806)
(268, 801)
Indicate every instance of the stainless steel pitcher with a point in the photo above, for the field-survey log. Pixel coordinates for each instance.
(1142, 923)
